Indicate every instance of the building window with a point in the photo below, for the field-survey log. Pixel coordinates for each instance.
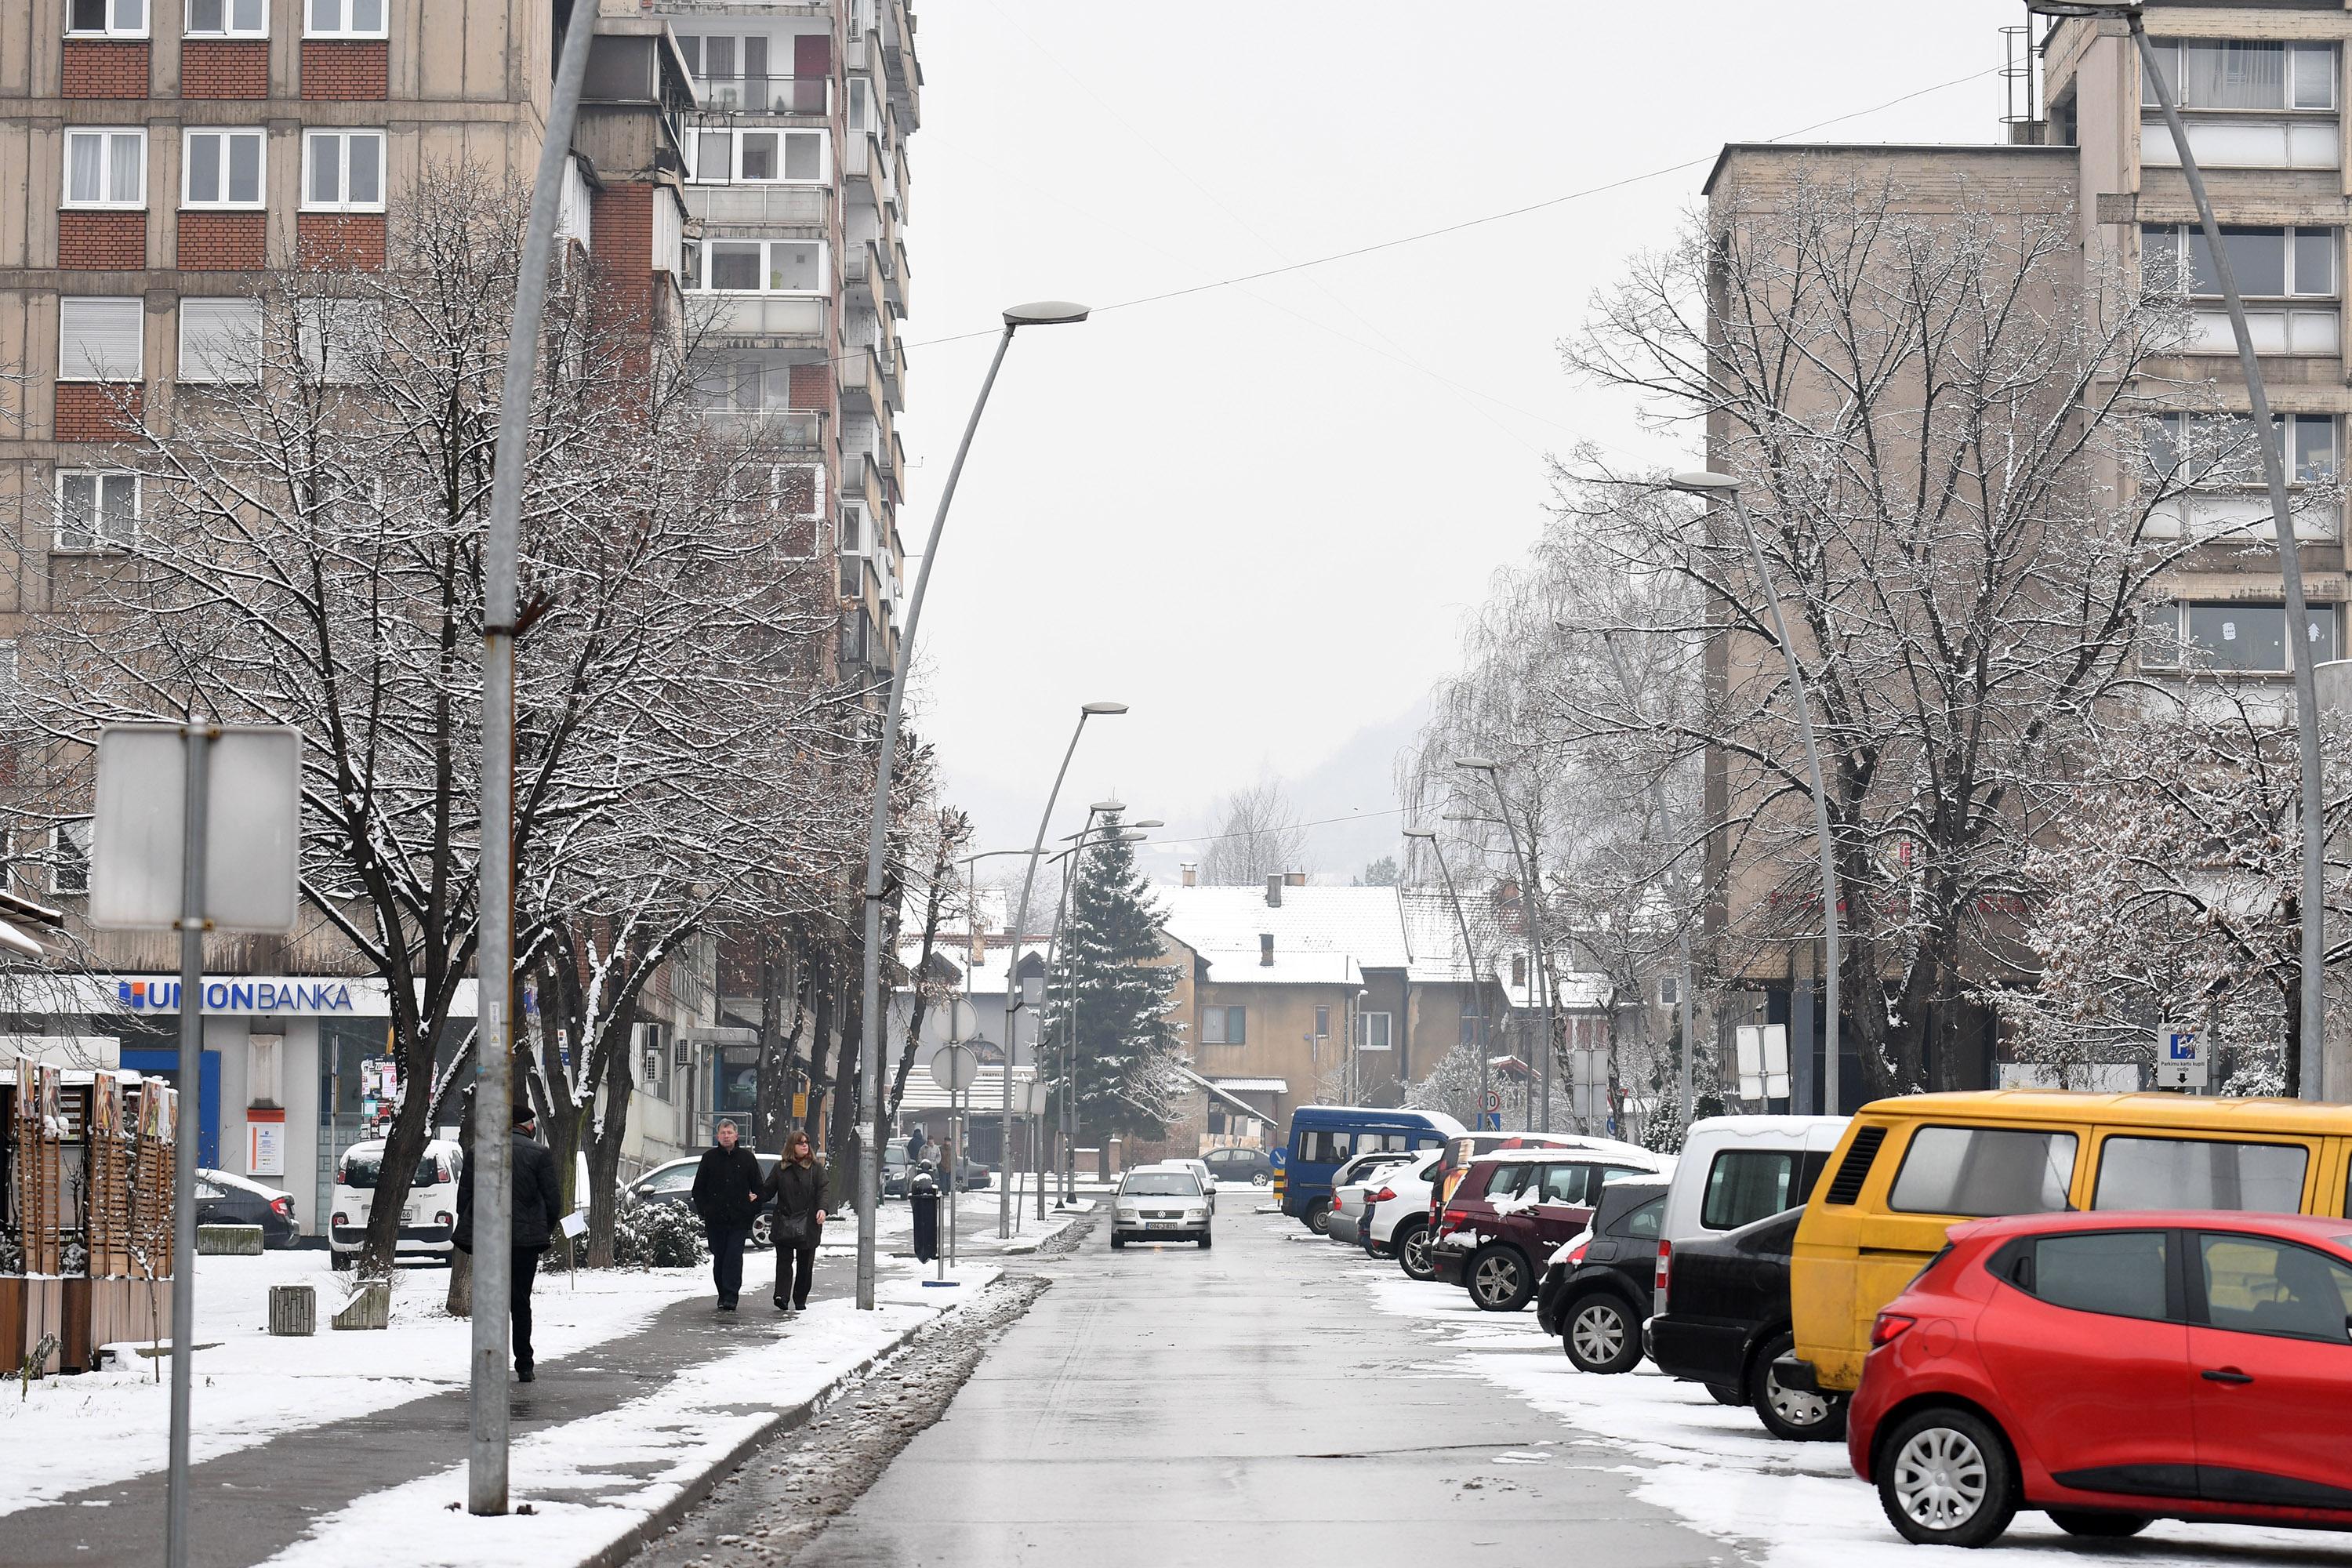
(756, 267)
(861, 103)
(1372, 1032)
(107, 19)
(2216, 450)
(221, 168)
(343, 171)
(220, 340)
(758, 157)
(2233, 637)
(343, 19)
(1225, 1026)
(105, 169)
(2281, 265)
(853, 529)
(97, 509)
(2245, 104)
(336, 336)
(69, 858)
(228, 18)
(99, 339)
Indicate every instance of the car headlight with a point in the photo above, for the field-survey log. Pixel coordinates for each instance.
(1127, 1214)
(1196, 1214)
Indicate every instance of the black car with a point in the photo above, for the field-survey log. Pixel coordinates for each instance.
(1597, 1299)
(673, 1184)
(1251, 1166)
(225, 1199)
(1723, 1319)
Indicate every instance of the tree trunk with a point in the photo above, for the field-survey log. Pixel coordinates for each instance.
(403, 1147)
(608, 1134)
(842, 1113)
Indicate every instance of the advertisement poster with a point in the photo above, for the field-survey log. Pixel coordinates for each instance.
(265, 1143)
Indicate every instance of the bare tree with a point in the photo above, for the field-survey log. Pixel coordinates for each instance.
(1257, 836)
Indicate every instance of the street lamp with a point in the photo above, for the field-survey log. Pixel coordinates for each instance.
(2313, 1011)
(1469, 956)
(1021, 918)
(1713, 487)
(1044, 313)
(1531, 899)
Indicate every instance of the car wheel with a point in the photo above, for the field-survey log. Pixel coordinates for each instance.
(1946, 1480)
(1792, 1415)
(1259, 1178)
(1318, 1216)
(1411, 1243)
(1205, 1241)
(2099, 1526)
(341, 1262)
(1498, 1279)
(1117, 1241)
(1602, 1336)
(764, 1229)
(1724, 1394)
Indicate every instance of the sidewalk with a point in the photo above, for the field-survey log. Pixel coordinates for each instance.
(644, 1390)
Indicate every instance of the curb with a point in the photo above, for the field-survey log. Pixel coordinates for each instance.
(1029, 1244)
(642, 1533)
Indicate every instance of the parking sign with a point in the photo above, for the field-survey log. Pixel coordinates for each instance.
(2182, 1057)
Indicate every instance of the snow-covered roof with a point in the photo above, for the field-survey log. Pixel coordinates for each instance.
(1359, 922)
(1249, 968)
(1252, 1085)
(988, 974)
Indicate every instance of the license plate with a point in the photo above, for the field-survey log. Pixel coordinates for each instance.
(1166, 1225)
(408, 1216)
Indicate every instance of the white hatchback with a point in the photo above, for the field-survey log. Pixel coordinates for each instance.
(1159, 1203)
(428, 1216)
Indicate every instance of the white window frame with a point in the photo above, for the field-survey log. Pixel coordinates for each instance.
(68, 338)
(326, 330)
(106, 134)
(115, 26)
(210, 367)
(699, 136)
(94, 541)
(2165, 643)
(342, 27)
(1364, 1032)
(342, 139)
(2288, 426)
(700, 271)
(77, 835)
(2295, 71)
(228, 27)
(227, 136)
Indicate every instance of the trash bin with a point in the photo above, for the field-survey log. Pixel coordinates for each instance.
(923, 1195)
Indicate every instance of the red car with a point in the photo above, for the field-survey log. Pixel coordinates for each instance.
(2111, 1369)
(1514, 1208)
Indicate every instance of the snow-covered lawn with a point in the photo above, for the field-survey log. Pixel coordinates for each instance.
(1785, 1505)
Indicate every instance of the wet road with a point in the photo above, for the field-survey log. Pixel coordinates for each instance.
(1175, 1406)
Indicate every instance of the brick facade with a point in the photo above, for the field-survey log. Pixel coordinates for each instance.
(87, 411)
(812, 386)
(105, 68)
(345, 68)
(348, 241)
(105, 241)
(621, 217)
(225, 68)
(224, 242)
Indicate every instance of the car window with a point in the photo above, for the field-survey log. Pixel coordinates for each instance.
(2201, 1173)
(677, 1179)
(206, 1189)
(1162, 1185)
(1322, 1146)
(2255, 1285)
(1568, 1183)
(2121, 1273)
(1743, 1185)
(1984, 1170)
(1509, 1179)
(1643, 1224)
(361, 1172)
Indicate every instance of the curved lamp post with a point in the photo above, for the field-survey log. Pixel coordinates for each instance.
(1532, 899)
(1044, 313)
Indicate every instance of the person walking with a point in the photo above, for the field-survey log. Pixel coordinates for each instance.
(537, 1210)
(726, 1199)
(798, 1186)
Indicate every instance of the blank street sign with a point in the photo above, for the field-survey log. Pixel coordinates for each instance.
(252, 833)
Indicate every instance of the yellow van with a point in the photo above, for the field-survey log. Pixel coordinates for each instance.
(1909, 1169)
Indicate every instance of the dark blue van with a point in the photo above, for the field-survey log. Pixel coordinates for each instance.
(1325, 1137)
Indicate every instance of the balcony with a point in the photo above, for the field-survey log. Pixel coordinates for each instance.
(891, 356)
(768, 321)
(857, 579)
(858, 374)
(2246, 141)
(800, 95)
(794, 430)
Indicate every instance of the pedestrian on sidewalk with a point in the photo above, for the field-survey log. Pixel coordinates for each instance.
(538, 1211)
(726, 1200)
(798, 1186)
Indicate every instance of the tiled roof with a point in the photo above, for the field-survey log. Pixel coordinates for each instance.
(1360, 922)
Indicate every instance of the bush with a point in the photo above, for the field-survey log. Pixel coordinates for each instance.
(657, 1236)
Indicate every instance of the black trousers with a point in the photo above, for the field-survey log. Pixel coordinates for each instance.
(727, 1261)
(796, 1268)
(525, 1265)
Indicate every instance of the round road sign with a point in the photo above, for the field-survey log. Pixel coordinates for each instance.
(1494, 1101)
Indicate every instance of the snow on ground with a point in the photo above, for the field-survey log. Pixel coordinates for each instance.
(67, 1434)
(1786, 1505)
(589, 1482)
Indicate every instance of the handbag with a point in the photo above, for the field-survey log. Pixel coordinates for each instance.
(793, 1227)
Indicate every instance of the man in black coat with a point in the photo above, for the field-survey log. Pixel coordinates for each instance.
(726, 1199)
(538, 1211)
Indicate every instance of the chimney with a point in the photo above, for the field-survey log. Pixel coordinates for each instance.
(1295, 879)
(1266, 948)
(1191, 872)
(1274, 893)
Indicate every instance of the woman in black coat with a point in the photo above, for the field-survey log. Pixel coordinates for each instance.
(797, 1183)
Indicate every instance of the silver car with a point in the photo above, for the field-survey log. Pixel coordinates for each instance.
(1160, 1204)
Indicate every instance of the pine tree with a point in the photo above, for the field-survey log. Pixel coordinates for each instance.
(1127, 1047)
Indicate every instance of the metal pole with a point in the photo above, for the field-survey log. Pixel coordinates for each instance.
(197, 732)
(1531, 897)
(2313, 1012)
(1052, 941)
(1821, 841)
(1012, 970)
(1477, 980)
(870, 1053)
(486, 1457)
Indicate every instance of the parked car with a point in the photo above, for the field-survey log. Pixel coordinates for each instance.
(2111, 1369)
(1200, 1169)
(1721, 1317)
(1325, 1137)
(1397, 1223)
(1735, 1170)
(1254, 1166)
(427, 1218)
(1514, 1207)
(1596, 1292)
(672, 1182)
(1456, 1154)
(897, 1170)
(1351, 1185)
(1157, 1205)
(226, 1199)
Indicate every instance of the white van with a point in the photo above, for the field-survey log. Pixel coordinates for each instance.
(1736, 1169)
(428, 1218)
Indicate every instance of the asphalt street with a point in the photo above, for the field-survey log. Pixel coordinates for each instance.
(1175, 1406)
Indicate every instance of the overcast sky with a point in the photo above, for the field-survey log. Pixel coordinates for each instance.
(1258, 515)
